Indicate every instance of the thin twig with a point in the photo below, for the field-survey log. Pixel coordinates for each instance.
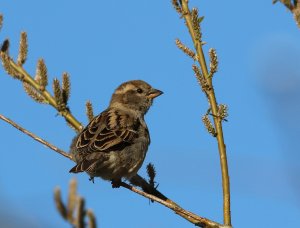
(47, 144)
(214, 108)
(25, 77)
(191, 217)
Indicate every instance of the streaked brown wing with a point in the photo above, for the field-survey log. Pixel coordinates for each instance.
(90, 131)
(112, 130)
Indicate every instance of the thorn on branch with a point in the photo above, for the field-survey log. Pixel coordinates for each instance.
(23, 49)
(186, 50)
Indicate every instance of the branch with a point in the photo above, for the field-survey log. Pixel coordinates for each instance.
(37, 86)
(36, 138)
(137, 180)
(192, 21)
(191, 217)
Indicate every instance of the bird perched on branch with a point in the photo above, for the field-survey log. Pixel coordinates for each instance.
(114, 144)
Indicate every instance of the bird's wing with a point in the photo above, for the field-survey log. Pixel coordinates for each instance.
(112, 130)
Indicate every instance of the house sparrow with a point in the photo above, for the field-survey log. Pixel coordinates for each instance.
(114, 144)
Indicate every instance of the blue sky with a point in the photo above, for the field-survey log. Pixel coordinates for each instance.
(102, 44)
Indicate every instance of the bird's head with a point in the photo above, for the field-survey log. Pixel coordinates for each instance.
(136, 95)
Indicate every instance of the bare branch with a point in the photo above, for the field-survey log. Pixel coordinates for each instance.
(191, 217)
(216, 129)
(36, 138)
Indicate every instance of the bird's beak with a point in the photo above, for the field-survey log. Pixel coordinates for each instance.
(154, 93)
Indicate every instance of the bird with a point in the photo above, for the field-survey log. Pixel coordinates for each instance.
(114, 144)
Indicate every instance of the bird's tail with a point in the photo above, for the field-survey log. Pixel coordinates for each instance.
(77, 169)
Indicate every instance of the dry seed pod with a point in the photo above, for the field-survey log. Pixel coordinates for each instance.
(23, 49)
(89, 111)
(213, 61)
(59, 204)
(222, 111)
(6, 62)
(41, 76)
(186, 50)
(196, 23)
(208, 125)
(177, 6)
(33, 93)
(151, 173)
(66, 87)
(61, 106)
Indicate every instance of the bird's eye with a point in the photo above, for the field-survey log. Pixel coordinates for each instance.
(139, 90)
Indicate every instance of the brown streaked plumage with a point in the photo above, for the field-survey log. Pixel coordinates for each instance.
(114, 144)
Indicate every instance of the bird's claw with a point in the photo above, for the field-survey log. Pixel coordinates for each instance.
(115, 183)
(91, 179)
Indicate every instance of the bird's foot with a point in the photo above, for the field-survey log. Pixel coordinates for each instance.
(91, 179)
(116, 183)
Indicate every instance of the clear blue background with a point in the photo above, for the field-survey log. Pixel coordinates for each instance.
(104, 43)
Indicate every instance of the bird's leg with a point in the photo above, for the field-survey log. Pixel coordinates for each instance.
(92, 179)
(116, 183)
